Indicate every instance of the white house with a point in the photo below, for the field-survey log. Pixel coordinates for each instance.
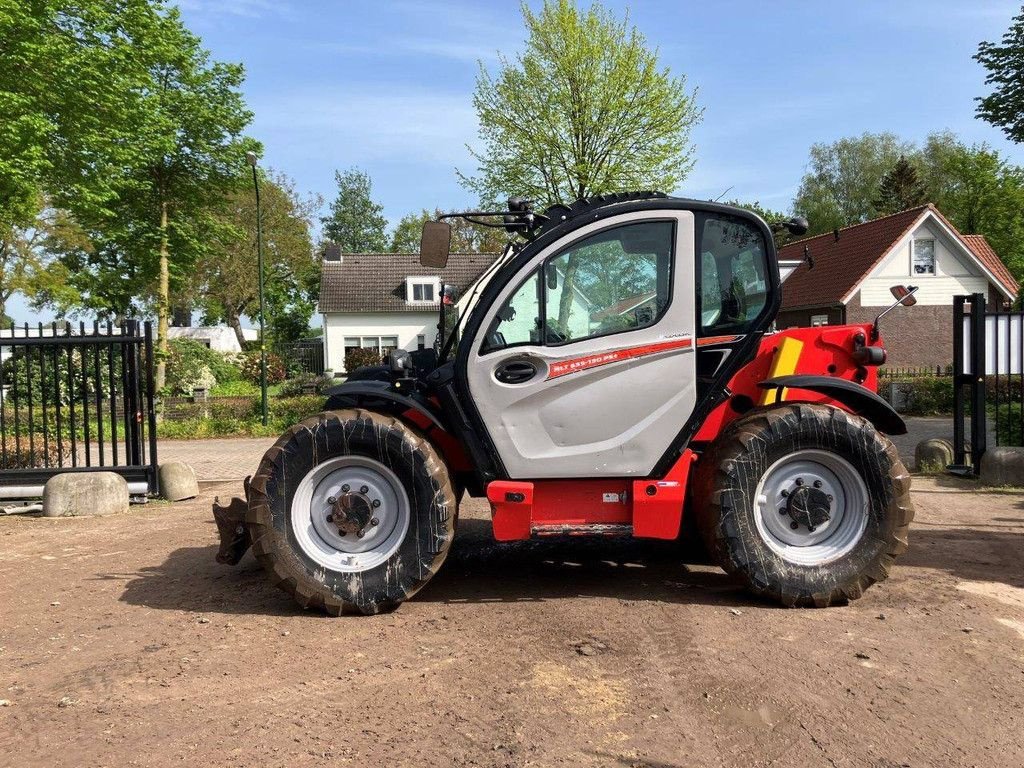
(385, 301)
(219, 338)
(854, 268)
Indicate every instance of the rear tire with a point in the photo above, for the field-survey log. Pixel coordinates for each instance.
(393, 477)
(761, 520)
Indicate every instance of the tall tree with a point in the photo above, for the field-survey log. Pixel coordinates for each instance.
(843, 179)
(67, 74)
(584, 109)
(187, 151)
(900, 189)
(467, 237)
(1004, 107)
(355, 221)
(226, 285)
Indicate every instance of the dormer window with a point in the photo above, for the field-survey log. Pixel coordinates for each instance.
(421, 290)
(924, 257)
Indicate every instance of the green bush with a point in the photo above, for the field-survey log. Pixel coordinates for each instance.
(191, 365)
(1006, 420)
(357, 357)
(237, 417)
(927, 395)
(238, 388)
(297, 384)
(18, 453)
(250, 365)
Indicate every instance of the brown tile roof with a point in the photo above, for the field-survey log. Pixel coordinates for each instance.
(839, 265)
(990, 259)
(375, 282)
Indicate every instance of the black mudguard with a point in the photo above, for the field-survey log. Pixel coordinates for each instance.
(858, 399)
(379, 396)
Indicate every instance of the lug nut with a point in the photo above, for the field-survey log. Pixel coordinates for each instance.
(376, 503)
(817, 483)
(332, 500)
(794, 525)
(344, 488)
(364, 489)
(785, 493)
(330, 518)
(783, 511)
(830, 497)
(360, 534)
(810, 529)
(799, 481)
(375, 521)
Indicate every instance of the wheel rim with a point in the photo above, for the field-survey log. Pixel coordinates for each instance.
(811, 507)
(363, 494)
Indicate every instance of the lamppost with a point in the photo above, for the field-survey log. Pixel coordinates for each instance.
(251, 159)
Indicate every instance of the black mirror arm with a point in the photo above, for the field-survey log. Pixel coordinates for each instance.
(911, 290)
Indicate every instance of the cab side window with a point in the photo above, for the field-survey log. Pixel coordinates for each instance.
(613, 281)
(616, 280)
(732, 267)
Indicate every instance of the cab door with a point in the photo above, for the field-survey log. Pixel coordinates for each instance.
(584, 365)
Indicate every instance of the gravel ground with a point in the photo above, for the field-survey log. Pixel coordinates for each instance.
(122, 643)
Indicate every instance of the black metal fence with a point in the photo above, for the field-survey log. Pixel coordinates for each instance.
(76, 400)
(988, 355)
(303, 356)
(920, 372)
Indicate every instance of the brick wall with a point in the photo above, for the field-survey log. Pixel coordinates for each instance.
(914, 336)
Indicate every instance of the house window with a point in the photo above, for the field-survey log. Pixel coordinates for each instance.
(819, 320)
(382, 344)
(421, 289)
(924, 257)
(421, 341)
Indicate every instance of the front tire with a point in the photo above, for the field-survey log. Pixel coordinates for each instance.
(351, 511)
(808, 504)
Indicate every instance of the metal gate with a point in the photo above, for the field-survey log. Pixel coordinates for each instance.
(76, 400)
(988, 369)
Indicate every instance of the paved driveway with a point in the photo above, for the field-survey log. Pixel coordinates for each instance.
(234, 458)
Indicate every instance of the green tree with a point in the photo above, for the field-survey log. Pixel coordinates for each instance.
(844, 177)
(981, 193)
(67, 75)
(900, 189)
(770, 216)
(1004, 107)
(584, 109)
(467, 237)
(187, 151)
(355, 221)
(226, 285)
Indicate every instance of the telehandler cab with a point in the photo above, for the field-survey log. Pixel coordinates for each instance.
(614, 370)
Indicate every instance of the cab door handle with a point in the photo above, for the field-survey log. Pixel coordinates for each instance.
(515, 372)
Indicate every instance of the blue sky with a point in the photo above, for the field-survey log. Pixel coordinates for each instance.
(386, 86)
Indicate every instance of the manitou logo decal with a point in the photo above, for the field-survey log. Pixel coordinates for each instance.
(566, 367)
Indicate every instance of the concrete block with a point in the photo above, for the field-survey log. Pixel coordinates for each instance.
(933, 455)
(178, 481)
(1003, 466)
(85, 493)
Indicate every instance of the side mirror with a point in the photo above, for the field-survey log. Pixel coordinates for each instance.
(435, 244)
(904, 294)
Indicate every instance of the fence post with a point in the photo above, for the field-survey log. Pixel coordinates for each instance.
(959, 448)
(154, 473)
(978, 416)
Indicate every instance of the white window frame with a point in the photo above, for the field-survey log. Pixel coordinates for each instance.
(913, 258)
(412, 282)
(819, 320)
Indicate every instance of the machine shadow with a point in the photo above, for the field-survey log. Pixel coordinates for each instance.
(477, 570)
(481, 570)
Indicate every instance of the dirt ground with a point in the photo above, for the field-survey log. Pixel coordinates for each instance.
(122, 643)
